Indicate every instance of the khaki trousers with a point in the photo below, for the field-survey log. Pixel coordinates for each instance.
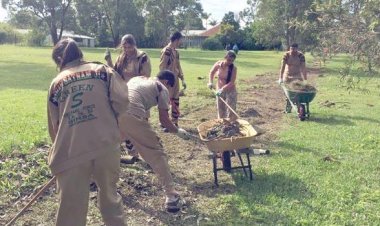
(174, 100)
(74, 189)
(144, 138)
(231, 99)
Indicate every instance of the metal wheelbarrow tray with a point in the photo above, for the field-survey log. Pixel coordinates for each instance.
(299, 99)
(232, 143)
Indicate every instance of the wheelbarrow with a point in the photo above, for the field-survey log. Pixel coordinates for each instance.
(240, 145)
(299, 99)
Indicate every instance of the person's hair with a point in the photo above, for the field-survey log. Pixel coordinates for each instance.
(230, 53)
(175, 36)
(166, 75)
(294, 45)
(128, 38)
(65, 51)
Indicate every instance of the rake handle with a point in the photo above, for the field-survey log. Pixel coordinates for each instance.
(36, 196)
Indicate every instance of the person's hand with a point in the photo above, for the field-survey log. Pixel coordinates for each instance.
(183, 134)
(219, 92)
(107, 54)
(210, 85)
(184, 84)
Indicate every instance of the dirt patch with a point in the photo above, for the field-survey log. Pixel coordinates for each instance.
(261, 103)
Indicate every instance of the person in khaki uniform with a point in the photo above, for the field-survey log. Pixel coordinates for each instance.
(84, 100)
(170, 61)
(293, 68)
(131, 62)
(145, 93)
(226, 72)
(293, 65)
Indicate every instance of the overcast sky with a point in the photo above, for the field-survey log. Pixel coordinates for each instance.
(217, 8)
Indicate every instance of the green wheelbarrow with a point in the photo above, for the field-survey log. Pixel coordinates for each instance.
(299, 99)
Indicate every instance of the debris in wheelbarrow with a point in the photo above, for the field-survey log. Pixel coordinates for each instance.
(300, 86)
(224, 129)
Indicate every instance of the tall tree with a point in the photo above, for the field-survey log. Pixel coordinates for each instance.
(51, 12)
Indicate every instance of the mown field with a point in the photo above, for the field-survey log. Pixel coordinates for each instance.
(324, 171)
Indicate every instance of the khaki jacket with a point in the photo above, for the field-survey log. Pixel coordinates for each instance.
(170, 61)
(138, 65)
(84, 101)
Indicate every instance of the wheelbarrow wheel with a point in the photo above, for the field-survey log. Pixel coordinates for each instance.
(301, 112)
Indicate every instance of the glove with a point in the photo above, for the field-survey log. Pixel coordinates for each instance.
(280, 81)
(219, 92)
(183, 134)
(107, 54)
(210, 85)
(184, 84)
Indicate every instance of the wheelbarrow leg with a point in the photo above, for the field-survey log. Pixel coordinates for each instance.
(307, 110)
(214, 163)
(249, 167)
(242, 164)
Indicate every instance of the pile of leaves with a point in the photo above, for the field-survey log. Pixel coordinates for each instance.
(301, 86)
(224, 129)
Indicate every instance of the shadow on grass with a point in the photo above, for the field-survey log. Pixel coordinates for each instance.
(334, 120)
(256, 195)
(292, 147)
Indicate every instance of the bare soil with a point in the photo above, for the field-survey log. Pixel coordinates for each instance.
(261, 103)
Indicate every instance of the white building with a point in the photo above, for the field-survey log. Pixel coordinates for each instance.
(82, 40)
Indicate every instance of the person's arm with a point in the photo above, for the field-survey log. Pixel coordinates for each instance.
(303, 67)
(146, 67)
(164, 59)
(165, 120)
(181, 76)
(213, 70)
(53, 115)
(283, 64)
(118, 92)
(108, 58)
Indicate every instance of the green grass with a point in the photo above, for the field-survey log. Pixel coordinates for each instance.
(293, 186)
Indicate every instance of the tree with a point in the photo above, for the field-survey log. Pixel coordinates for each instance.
(51, 12)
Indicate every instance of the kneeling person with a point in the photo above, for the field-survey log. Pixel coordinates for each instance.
(144, 93)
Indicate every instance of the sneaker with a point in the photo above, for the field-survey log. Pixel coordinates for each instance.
(165, 130)
(173, 206)
(129, 159)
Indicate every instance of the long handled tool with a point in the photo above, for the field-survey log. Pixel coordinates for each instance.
(42, 190)
(290, 101)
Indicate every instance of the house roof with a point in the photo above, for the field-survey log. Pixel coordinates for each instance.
(71, 34)
(212, 31)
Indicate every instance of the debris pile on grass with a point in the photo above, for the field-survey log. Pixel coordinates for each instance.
(224, 129)
(300, 86)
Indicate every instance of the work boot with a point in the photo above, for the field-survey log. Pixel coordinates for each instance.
(173, 206)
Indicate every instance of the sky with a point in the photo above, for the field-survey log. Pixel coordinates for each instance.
(217, 8)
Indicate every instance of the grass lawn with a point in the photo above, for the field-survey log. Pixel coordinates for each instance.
(324, 171)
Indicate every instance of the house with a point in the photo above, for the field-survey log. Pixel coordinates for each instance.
(195, 38)
(82, 40)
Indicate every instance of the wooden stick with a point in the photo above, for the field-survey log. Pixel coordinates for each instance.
(43, 189)
(233, 111)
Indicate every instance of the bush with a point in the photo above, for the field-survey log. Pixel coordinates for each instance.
(212, 44)
(8, 34)
(36, 38)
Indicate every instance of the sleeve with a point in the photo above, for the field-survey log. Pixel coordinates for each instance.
(52, 114)
(179, 68)
(118, 92)
(165, 58)
(146, 66)
(163, 99)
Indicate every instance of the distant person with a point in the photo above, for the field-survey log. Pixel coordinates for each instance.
(226, 72)
(84, 101)
(145, 93)
(293, 68)
(131, 61)
(170, 61)
(235, 48)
